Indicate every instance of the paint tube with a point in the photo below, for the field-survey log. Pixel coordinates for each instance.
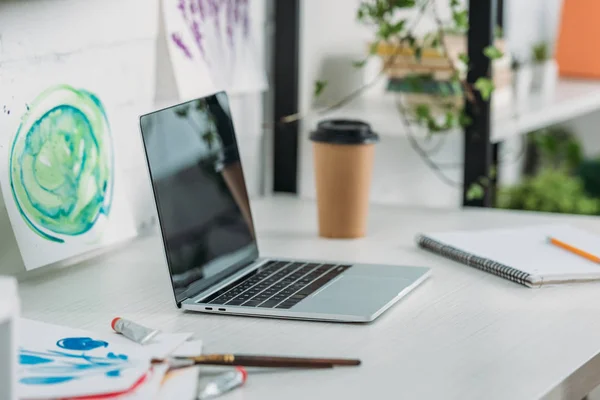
(138, 333)
(223, 383)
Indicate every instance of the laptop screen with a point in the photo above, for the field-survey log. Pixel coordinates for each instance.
(200, 193)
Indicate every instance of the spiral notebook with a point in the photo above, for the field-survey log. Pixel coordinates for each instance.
(522, 255)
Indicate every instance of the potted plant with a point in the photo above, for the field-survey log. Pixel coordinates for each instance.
(544, 68)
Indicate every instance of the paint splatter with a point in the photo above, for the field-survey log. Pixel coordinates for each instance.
(45, 380)
(53, 367)
(33, 360)
(81, 343)
(179, 42)
(61, 163)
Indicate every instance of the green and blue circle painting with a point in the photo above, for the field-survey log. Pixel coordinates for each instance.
(61, 163)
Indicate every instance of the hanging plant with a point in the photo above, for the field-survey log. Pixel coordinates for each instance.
(395, 40)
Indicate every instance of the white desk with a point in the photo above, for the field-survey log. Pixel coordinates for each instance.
(463, 334)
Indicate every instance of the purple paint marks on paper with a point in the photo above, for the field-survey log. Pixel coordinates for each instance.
(179, 42)
(197, 36)
(201, 8)
(205, 17)
(181, 6)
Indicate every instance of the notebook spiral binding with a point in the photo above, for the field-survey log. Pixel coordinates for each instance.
(471, 260)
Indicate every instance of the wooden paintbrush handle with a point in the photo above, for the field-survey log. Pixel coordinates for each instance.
(273, 362)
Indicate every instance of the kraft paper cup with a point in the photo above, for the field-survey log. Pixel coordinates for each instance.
(343, 157)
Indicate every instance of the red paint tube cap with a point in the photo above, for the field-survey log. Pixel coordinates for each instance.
(243, 372)
(114, 322)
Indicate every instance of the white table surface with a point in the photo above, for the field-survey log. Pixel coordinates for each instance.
(464, 334)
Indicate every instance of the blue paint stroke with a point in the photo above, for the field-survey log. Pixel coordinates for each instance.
(45, 380)
(33, 360)
(117, 356)
(53, 367)
(81, 343)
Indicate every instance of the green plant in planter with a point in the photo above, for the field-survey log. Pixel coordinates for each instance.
(540, 52)
(553, 190)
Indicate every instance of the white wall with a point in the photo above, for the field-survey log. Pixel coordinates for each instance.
(331, 38)
(125, 32)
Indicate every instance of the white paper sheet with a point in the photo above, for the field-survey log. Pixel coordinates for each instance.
(190, 348)
(180, 384)
(60, 135)
(161, 346)
(212, 47)
(60, 362)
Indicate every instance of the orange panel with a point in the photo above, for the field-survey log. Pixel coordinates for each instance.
(578, 47)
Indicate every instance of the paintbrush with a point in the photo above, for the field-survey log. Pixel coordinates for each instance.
(257, 361)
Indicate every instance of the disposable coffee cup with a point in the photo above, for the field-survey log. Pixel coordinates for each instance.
(343, 156)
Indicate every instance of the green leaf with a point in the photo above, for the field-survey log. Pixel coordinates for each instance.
(464, 58)
(423, 112)
(454, 3)
(461, 19)
(418, 53)
(359, 64)
(360, 14)
(464, 120)
(398, 27)
(475, 192)
(493, 172)
(450, 119)
(498, 32)
(485, 87)
(319, 87)
(374, 47)
(493, 53)
(411, 40)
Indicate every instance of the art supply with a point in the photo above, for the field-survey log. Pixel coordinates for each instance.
(574, 250)
(60, 362)
(136, 332)
(522, 255)
(223, 383)
(259, 361)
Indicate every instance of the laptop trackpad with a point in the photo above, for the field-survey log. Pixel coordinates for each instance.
(354, 295)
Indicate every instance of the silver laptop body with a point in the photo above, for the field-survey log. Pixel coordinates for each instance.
(209, 237)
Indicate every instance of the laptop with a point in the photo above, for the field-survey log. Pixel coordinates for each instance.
(210, 240)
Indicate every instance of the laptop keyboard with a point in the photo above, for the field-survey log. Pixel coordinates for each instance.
(279, 284)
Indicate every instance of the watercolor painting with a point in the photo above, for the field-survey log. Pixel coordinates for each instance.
(212, 44)
(58, 171)
(61, 163)
(58, 362)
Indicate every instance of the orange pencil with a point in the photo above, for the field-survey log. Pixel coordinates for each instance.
(574, 250)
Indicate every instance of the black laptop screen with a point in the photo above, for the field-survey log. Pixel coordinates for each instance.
(200, 193)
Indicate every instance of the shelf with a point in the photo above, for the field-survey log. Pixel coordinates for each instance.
(571, 99)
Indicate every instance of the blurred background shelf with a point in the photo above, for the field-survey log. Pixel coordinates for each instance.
(571, 99)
